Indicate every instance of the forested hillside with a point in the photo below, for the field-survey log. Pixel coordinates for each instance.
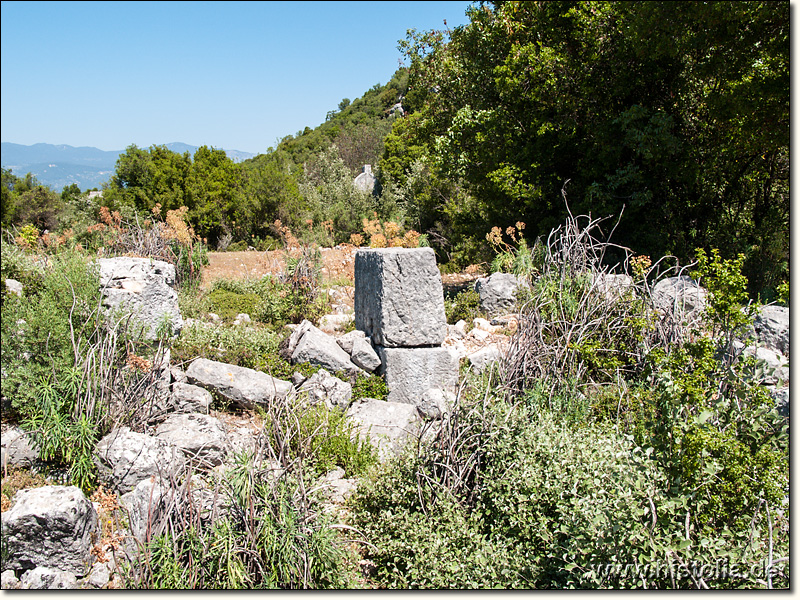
(674, 115)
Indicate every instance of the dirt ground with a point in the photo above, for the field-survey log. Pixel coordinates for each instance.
(337, 267)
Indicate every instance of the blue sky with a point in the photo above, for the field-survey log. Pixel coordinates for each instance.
(234, 75)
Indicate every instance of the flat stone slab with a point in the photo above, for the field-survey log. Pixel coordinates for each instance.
(410, 372)
(399, 300)
(246, 387)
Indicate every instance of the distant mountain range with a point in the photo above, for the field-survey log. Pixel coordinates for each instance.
(60, 166)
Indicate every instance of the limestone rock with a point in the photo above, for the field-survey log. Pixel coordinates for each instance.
(498, 292)
(202, 438)
(145, 504)
(50, 526)
(435, 404)
(243, 386)
(13, 287)
(141, 286)
(364, 356)
(781, 397)
(318, 348)
(45, 578)
(387, 425)
(399, 300)
(348, 339)
(777, 366)
(484, 358)
(17, 449)
(242, 319)
(409, 372)
(188, 398)
(124, 458)
(178, 375)
(682, 297)
(324, 387)
(337, 487)
(100, 574)
(772, 328)
(335, 322)
(9, 581)
(613, 286)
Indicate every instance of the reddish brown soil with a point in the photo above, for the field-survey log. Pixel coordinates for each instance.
(337, 267)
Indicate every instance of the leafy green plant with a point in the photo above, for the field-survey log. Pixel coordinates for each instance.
(269, 540)
(370, 386)
(229, 304)
(332, 442)
(727, 311)
(248, 347)
(464, 305)
(508, 497)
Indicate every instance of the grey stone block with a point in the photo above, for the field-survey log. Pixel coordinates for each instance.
(399, 300)
(410, 372)
(50, 526)
(125, 457)
(200, 437)
(246, 387)
(498, 292)
(387, 425)
(143, 287)
(318, 348)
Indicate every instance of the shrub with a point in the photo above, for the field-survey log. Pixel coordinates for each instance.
(504, 497)
(331, 442)
(229, 304)
(244, 347)
(370, 386)
(67, 365)
(464, 305)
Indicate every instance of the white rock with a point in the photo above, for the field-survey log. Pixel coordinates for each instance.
(346, 341)
(498, 292)
(14, 287)
(324, 387)
(364, 356)
(318, 348)
(484, 358)
(387, 425)
(124, 458)
(246, 387)
(202, 438)
(45, 578)
(50, 526)
(9, 581)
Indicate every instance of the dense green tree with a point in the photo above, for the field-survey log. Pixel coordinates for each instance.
(144, 178)
(214, 196)
(676, 111)
(271, 191)
(70, 192)
(24, 200)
